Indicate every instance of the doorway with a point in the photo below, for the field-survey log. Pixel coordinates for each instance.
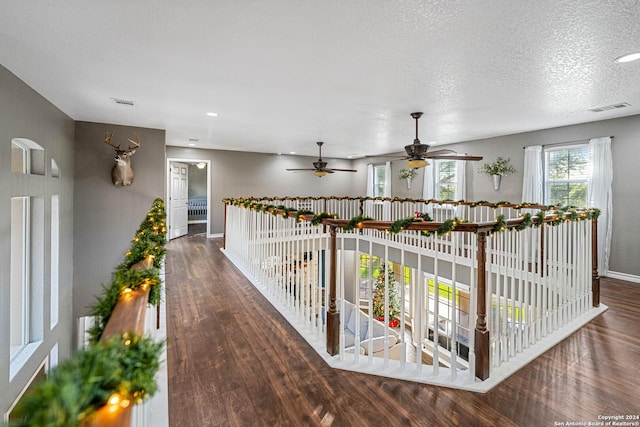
(188, 197)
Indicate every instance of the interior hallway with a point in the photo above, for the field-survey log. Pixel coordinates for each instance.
(234, 361)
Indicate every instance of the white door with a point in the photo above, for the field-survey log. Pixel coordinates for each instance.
(178, 199)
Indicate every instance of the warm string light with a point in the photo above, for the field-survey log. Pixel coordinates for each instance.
(117, 401)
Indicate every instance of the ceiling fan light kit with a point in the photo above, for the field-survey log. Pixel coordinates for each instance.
(417, 163)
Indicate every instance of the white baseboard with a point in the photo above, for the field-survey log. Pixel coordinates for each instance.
(623, 276)
(214, 235)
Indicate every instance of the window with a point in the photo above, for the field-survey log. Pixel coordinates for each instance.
(446, 180)
(379, 180)
(19, 282)
(27, 276)
(446, 314)
(55, 170)
(567, 175)
(55, 260)
(19, 157)
(27, 157)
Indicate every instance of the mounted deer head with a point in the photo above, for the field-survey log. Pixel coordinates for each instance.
(122, 173)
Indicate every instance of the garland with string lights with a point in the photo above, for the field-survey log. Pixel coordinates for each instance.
(118, 372)
(302, 213)
(317, 218)
(148, 244)
(356, 222)
(558, 214)
(121, 370)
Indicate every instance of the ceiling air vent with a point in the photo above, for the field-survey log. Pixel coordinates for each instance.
(610, 107)
(121, 101)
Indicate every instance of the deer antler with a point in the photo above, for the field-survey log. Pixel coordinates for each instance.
(107, 140)
(135, 143)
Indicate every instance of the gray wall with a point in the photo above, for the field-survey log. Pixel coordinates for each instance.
(625, 242)
(197, 182)
(238, 174)
(24, 113)
(106, 216)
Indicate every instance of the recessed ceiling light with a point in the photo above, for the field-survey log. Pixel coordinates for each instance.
(212, 114)
(191, 144)
(349, 157)
(292, 152)
(628, 57)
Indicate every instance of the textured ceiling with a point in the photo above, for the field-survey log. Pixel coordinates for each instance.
(283, 74)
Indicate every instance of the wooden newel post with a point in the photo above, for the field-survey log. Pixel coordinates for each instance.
(595, 278)
(333, 316)
(482, 334)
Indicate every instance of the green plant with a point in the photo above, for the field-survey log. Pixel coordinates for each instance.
(500, 167)
(407, 173)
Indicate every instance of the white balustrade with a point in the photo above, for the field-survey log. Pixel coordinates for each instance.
(538, 284)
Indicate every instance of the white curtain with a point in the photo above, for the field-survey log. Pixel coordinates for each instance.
(369, 180)
(429, 186)
(387, 180)
(461, 187)
(532, 183)
(600, 196)
(386, 205)
(368, 205)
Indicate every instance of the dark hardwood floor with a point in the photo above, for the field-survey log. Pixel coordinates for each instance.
(234, 361)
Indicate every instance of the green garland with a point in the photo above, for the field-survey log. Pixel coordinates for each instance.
(301, 213)
(500, 225)
(424, 216)
(353, 222)
(317, 218)
(526, 222)
(125, 365)
(560, 214)
(401, 224)
(104, 304)
(150, 239)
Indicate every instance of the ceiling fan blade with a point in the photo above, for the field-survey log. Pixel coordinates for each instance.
(308, 169)
(395, 156)
(439, 152)
(455, 157)
(344, 170)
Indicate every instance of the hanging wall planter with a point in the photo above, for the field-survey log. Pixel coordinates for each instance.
(496, 181)
(496, 170)
(407, 174)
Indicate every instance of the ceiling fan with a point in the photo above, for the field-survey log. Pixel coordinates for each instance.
(320, 168)
(417, 153)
